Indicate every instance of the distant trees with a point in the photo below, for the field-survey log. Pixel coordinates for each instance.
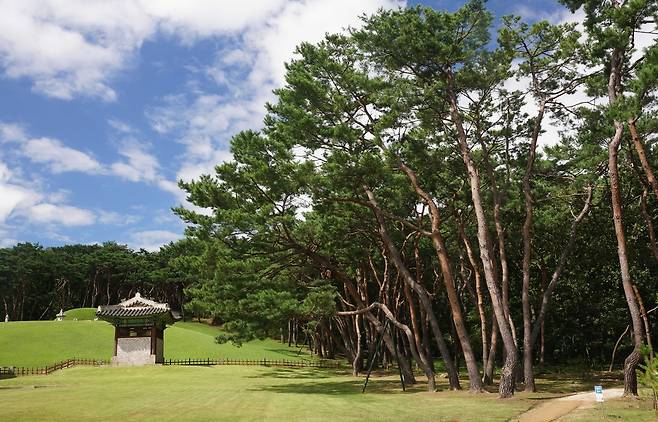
(36, 282)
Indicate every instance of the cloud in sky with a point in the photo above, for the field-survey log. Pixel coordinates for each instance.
(152, 240)
(247, 72)
(27, 199)
(58, 157)
(74, 47)
(23, 199)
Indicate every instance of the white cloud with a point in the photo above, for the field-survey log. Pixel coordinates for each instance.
(67, 48)
(138, 164)
(204, 122)
(120, 126)
(152, 240)
(12, 197)
(72, 48)
(558, 15)
(24, 201)
(116, 219)
(61, 214)
(204, 18)
(59, 157)
(141, 166)
(7, 242)
(12, 132)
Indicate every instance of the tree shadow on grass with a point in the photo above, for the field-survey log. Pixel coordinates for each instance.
(335, 388)
(292, 373)
(289, 353)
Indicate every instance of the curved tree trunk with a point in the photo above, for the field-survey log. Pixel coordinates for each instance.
(631, 362)
(420, 359)
(422, 294)
(566, 250)
(528, 375)
(480, 298)
(639, 147)
(475, 381)
(350, 287)
(507, 382)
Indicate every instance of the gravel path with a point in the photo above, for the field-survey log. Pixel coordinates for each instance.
(553, 410)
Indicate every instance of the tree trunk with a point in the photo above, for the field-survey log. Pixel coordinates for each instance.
(566, 250)
(645, 317)
(507, 382)
(480, 298)
(423, 296)
(491, 361)
(357, 364)
(528, 375)
(350, 286)
(639, 147)
(631, 362)
(475, 382)
(420, 359)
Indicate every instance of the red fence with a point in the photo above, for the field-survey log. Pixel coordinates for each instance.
(12, 371)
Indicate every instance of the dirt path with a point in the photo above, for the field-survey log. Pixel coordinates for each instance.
(553, 410)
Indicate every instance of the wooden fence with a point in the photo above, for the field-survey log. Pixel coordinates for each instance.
(256, 362)
(12, 371)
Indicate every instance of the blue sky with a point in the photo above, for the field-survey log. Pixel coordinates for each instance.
(105, 104)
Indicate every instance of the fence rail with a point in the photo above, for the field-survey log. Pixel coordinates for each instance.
(13, 371)
(255, 362)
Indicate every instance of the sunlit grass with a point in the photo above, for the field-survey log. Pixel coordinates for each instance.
(39, 343)
(234, 393)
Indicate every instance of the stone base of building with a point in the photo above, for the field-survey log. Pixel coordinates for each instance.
(136, 351)
(133, 361)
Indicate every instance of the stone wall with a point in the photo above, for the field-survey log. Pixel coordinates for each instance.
(134, 351)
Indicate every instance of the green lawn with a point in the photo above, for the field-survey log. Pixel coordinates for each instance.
(243, 393)
(618, 410)
(234, 393)
(80, 314)
(38, 343)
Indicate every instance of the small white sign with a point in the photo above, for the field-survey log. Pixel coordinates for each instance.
(598, 392)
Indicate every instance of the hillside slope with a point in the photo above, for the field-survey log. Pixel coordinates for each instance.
(38, 343)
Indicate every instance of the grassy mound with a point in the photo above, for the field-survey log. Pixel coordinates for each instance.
(39, 343)
(81, 314)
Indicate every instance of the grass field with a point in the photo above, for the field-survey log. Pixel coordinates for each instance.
(80, 314)
(617, 410)
(39, 343)
(234, 393)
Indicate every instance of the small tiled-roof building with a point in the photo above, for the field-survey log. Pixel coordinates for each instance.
(139, 329)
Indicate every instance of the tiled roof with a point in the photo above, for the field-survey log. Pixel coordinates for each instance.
(131, 312)
(136, 307)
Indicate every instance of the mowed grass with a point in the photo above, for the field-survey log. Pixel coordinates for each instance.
(80, 314)
(39, 343)
(235, 393)
(628, 410)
